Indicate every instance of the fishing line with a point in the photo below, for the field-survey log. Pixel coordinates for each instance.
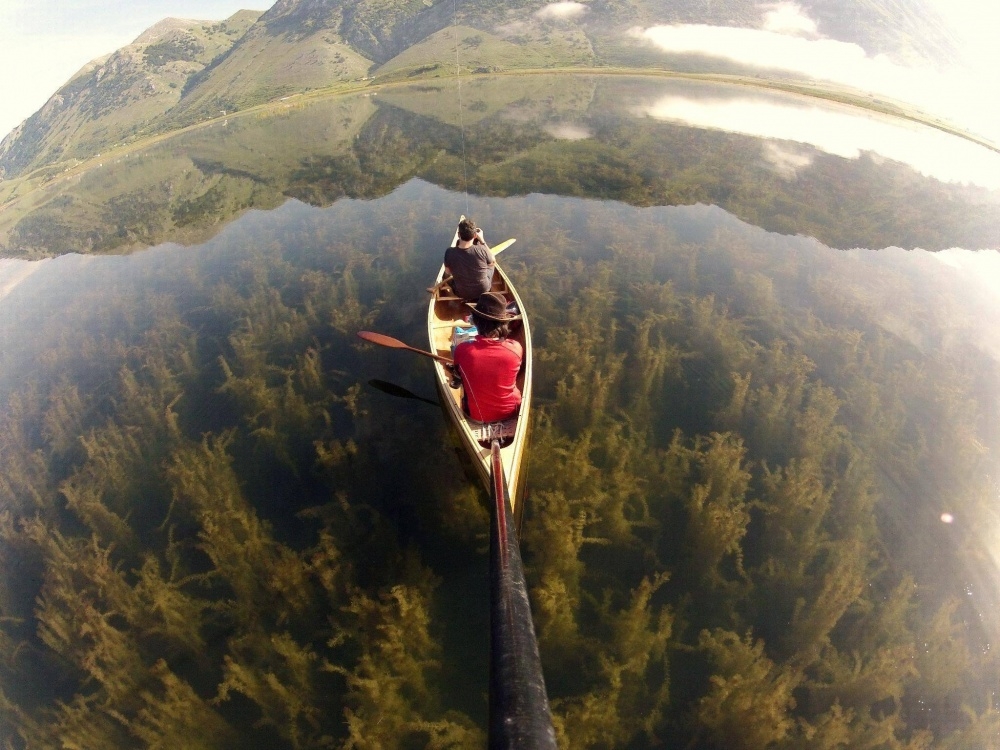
(461, 119)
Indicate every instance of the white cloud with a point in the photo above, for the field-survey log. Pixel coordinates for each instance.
(788, 18)
(821, 58)
(841, 131)
(568, 132)
(960, 98)
(562, 9)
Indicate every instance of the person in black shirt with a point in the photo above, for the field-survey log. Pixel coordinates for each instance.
(470, 262)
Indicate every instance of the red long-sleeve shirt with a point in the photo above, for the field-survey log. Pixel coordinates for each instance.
(489, 370)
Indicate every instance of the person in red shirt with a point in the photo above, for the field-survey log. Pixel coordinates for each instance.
(488, 365)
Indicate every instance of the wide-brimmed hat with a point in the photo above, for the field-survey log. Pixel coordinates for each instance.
(493, 305)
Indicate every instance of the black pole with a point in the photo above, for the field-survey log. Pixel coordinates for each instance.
(519, 706)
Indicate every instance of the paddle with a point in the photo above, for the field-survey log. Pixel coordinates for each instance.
(519, 705)
(495, 250)
(503, 246)
(382, 340)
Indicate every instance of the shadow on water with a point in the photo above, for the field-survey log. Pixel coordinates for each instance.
(399, 392)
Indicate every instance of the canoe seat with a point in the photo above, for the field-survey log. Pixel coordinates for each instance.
(485, 433)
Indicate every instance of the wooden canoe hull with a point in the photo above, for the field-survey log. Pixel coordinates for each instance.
(443, 313)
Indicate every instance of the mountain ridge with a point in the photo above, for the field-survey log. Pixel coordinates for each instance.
(166, 26)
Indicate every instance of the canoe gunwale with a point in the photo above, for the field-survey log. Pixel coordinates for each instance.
(442, 317)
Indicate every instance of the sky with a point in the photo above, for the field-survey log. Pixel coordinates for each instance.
(47, 41)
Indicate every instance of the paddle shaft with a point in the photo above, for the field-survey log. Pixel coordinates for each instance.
(519, 706)
(382, 340)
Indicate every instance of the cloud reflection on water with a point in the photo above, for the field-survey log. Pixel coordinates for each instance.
(836, 130)
(566, 131)
(14, 271)
(787, 160)
(979, 270)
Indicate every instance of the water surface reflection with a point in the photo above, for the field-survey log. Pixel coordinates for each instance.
(840, 131)
(845, 177)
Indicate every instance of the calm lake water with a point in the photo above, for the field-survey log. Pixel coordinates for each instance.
(763, 475)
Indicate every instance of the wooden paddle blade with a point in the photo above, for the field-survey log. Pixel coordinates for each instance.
(502, 246)
(382, 340)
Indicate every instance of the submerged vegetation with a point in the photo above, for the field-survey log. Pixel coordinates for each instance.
(215, 535)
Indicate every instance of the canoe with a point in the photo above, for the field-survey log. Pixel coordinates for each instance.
(446, 315)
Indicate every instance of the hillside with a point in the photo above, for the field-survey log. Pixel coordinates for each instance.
(120, 96)
(481, 52)
(285, 52)
(181, 72)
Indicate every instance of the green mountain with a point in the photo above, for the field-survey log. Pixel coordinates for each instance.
(179, 73)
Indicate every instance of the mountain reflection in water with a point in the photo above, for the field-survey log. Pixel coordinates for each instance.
(215, 534)
(788, 164)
